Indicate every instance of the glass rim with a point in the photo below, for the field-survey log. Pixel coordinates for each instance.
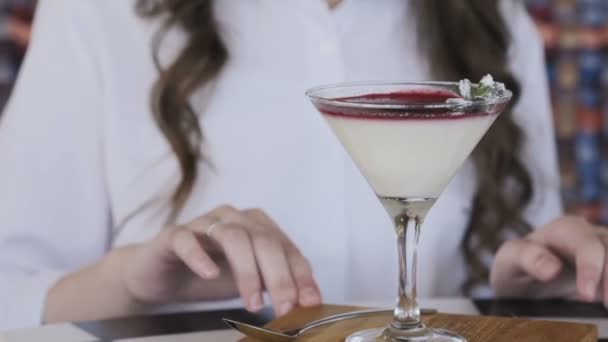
(438, 105)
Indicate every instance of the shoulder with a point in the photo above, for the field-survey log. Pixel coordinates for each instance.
(92, 20)
(109, 35)
(527, 51)
(85, 10)
(520, 24)
(89, 8)
(513, 10)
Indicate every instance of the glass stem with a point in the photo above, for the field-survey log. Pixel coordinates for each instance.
(407, 312)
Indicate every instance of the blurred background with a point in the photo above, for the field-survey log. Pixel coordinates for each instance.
(15, 20)
(576, 39)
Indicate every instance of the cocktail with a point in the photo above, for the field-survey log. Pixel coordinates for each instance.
(409, 139)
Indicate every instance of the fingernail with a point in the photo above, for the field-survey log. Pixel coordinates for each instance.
(208, 271)
(285, 308)
(309, 296)
(548, 268)
(256, 303)
(212, 273)
(589, 289)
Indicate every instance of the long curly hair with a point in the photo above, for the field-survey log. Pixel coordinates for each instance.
(462, 39)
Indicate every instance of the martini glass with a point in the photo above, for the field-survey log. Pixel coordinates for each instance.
(408, 140)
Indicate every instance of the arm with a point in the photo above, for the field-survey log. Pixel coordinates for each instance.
(564, 256)
(534, 114)
(244, 253)
(55, 226)
(54, 217)
(98, 291)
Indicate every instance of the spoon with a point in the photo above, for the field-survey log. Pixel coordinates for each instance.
(264, 334)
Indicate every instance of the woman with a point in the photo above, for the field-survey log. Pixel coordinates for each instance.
(108, 211)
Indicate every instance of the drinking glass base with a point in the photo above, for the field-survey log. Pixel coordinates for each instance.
(422, 335)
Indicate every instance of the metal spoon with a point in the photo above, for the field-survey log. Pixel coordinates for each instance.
(264, 334)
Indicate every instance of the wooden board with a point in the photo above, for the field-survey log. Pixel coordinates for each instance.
(474, 328)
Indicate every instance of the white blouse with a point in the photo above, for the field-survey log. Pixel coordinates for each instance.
(84, 169)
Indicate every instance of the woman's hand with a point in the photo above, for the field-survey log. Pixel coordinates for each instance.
(218, 255)
(566, 258)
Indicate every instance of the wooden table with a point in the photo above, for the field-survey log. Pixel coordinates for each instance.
(207, 326)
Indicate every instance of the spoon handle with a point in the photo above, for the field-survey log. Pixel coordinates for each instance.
(345, 316)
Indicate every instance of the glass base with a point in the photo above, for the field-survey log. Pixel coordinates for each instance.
(421, 335)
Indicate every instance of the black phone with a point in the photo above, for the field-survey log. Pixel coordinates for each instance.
(168, 324)
(540, 308)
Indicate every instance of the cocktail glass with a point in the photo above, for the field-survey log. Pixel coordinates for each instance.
(409, 139)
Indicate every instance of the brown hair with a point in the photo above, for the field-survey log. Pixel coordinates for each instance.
(199, 62)
(468, 39)
(462, 39)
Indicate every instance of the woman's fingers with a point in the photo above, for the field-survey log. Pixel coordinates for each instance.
(522, 261)
(590, 258)
(187, 247)
(308, 291)
(538, 261)
(578, 241)
(603, 234)
(275, 270)
(238, 249)
(259, 254)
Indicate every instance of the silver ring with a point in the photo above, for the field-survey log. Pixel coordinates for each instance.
(213, 227)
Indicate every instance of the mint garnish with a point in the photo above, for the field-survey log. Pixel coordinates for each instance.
(486, 88)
